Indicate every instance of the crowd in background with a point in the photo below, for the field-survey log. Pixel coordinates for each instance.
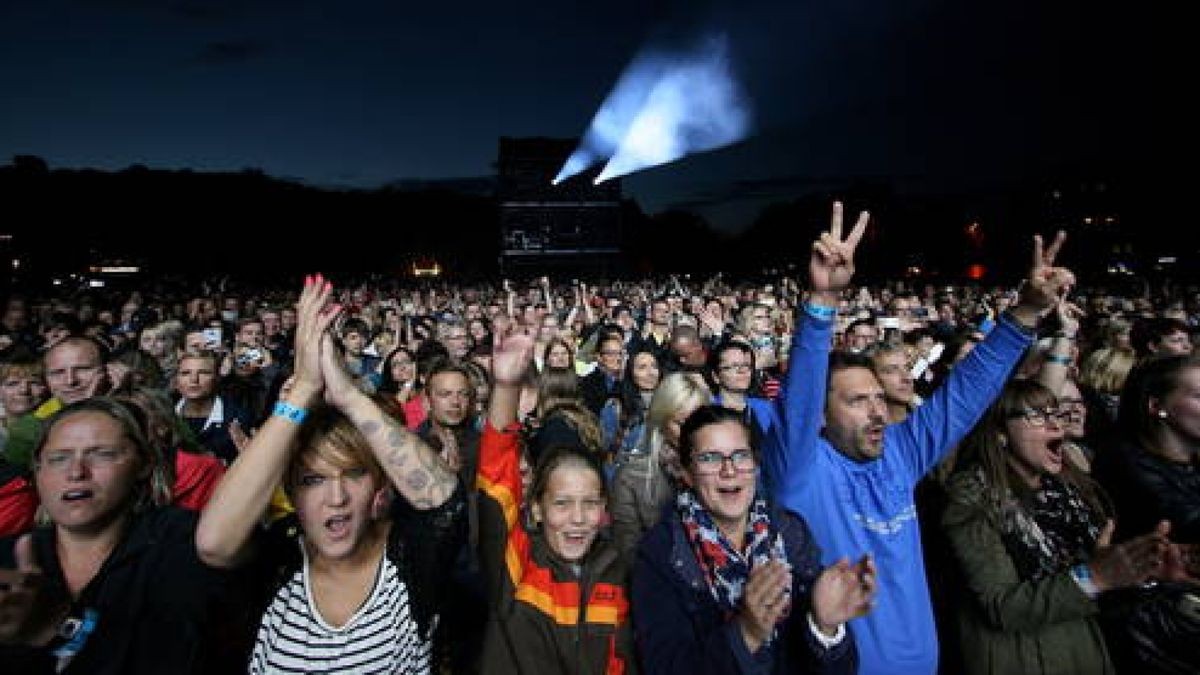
(578, 476)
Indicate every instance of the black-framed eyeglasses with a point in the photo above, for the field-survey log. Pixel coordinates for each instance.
(1039, 417)
(709, 462)
(735, 368)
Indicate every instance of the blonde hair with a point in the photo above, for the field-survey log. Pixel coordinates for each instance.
(1105, 370)
(676, 391)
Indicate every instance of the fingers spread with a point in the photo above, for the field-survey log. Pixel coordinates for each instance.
(835, 221)
(860, 228)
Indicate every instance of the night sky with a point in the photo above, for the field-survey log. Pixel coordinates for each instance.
(930, 95)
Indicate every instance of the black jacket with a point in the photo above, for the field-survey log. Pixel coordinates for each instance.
(152, 600)
(1146, 489)
(679, 627)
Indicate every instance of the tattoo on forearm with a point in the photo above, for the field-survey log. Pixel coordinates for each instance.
(426, 483)
(417, 479)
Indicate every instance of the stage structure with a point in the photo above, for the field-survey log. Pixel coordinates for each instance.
(554, 229)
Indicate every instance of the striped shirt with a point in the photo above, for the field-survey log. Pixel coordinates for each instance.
(381, 637)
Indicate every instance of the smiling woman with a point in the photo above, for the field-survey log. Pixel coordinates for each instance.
(728, 583)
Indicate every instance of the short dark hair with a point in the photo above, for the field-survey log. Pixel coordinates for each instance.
(708, 415)
(839, 361)
(1146, 332)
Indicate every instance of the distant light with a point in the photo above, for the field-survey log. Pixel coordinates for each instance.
(96, 283)
(976, 272)
(667, 105)
(1110, 219)
(16, 263)
(56, 282)
(115, 269)
(1167, 260)
(1087, 220)
(426, 270)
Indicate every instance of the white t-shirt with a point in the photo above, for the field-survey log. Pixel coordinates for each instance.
(381, 637)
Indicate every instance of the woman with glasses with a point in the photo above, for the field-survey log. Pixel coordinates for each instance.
(728, 583)
(1032, 538)
(399, 380)
(731, 365)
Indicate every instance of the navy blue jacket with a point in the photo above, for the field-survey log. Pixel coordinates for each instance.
(679, 628)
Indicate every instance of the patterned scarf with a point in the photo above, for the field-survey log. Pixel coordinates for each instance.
(726, 569)
(1050, 532)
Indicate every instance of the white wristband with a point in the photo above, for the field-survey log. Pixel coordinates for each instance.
(826, 641)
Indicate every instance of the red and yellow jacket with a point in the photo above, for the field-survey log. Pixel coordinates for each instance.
(540, 621)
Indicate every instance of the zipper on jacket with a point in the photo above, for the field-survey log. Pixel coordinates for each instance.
(584, 593)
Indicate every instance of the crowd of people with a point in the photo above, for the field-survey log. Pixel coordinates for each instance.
(658, 476)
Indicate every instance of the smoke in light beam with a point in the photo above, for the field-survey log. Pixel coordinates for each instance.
(664, 107)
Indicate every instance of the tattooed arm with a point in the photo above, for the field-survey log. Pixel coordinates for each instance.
(415, 469)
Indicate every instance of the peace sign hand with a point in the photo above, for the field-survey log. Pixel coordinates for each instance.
(1047, 285)
(832, 264)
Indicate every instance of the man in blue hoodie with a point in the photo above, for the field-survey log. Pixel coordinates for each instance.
(851, 475)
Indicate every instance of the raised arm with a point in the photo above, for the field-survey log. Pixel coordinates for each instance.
(1057, 366)
(223, 535)
(957, 405)
(789, 454)
(415, 469)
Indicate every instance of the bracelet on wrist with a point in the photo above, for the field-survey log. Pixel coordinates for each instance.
(820, 312)
(290, 412)
(1082, 574)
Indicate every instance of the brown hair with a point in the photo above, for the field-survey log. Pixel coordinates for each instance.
(987, 446)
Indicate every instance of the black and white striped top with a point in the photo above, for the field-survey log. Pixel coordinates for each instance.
(381, 637)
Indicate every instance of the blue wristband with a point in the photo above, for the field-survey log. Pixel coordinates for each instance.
(290, 412)
(1083, 577)
(819, 312)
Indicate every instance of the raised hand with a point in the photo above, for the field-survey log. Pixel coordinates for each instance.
(241, 440)
(313, 317)
(1068, 316)
(511, 358)
(765, 602)
(832, 264)
(341, 388)
(1047, 284)
(843, 592)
